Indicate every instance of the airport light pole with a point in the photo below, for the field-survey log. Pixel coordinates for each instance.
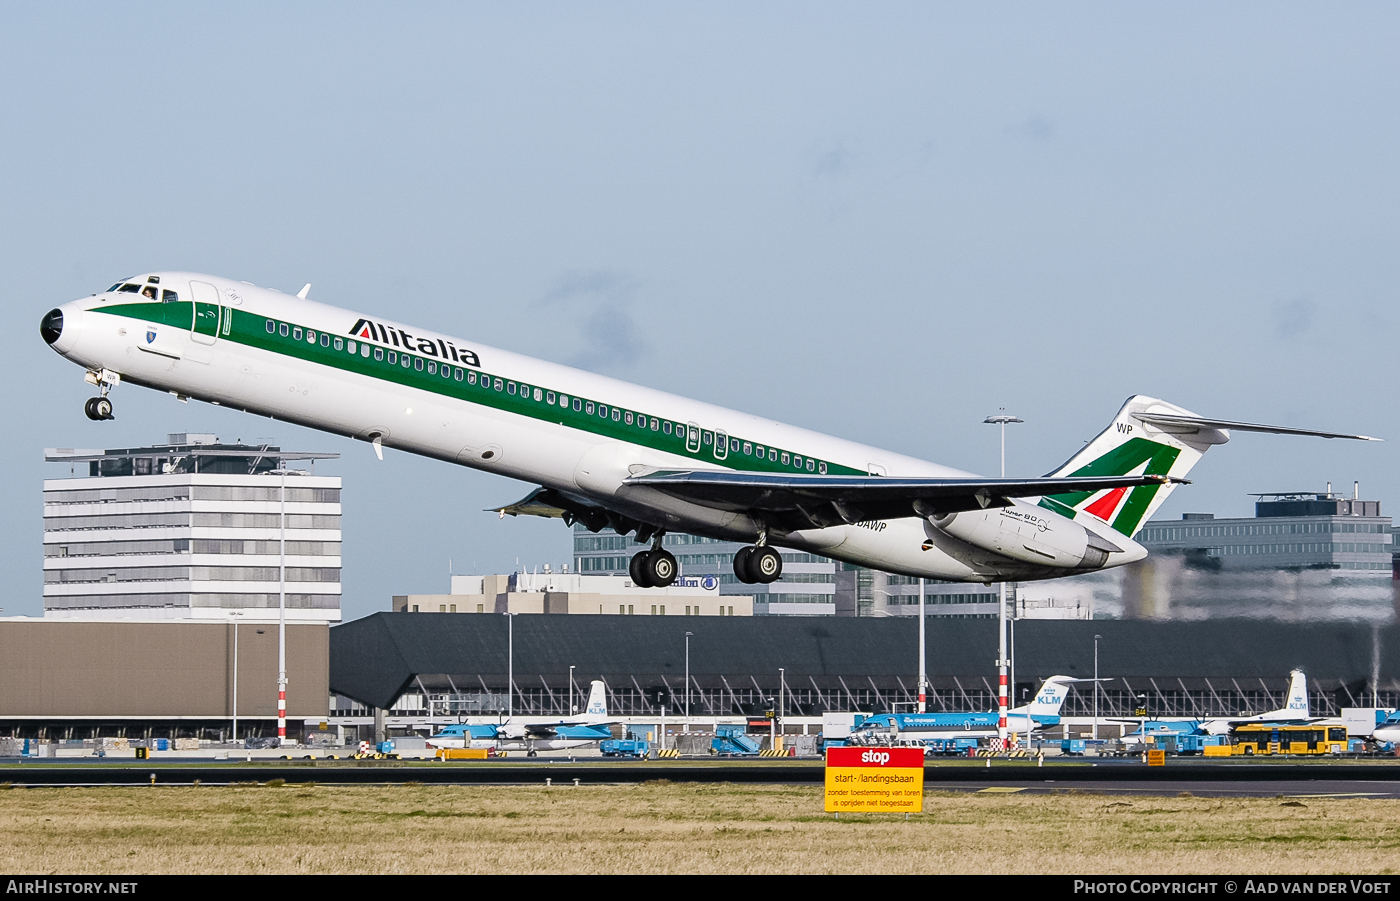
(1001, 419)
(687, 681)
(782, 691)
(234, 614)
(572, 708)
(510, 664)
(923, 660)
(1096, 687)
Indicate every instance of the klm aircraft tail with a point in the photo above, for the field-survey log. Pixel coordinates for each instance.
(597, 708)
(1297, 706)
(1049, 699)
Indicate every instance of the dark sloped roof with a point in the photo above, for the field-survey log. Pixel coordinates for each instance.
(375, 659)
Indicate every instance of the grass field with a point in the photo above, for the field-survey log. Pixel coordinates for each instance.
(672, 828)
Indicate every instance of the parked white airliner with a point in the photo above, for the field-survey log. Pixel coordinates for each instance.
(608, 453)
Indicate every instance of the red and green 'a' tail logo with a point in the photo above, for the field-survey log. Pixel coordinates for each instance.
(1122, 460)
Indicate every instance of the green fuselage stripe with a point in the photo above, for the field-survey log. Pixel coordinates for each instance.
(250, 330)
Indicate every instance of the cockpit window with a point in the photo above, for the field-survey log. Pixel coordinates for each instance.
(129, 288)
(169, 296)
(149, 291)
(114, 287)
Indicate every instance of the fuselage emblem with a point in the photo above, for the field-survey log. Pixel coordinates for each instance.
(150, 336)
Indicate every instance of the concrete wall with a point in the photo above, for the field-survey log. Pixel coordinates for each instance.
(59, 668)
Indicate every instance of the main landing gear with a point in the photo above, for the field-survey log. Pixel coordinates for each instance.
(100, 408)
(655, 568)
(761, 564)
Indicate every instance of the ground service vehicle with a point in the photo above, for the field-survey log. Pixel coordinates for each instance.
(1271, 738)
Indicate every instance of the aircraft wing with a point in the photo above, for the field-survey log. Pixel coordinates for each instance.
(816, 500)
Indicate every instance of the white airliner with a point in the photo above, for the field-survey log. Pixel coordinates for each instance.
(608, 453)
(589, 728)
(1296, 709)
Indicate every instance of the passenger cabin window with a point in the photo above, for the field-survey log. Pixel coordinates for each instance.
(296, 333)
(271, 326)
(339, 343)
(284, 330)
(432, 368)
(169, 297)
(325, 340)
(379, 353)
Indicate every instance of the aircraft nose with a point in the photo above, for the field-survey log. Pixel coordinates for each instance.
(60, 327)
(51, 326)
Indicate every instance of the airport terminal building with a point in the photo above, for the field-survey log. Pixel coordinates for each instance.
(191, 529)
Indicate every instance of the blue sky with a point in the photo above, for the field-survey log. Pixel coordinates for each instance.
(883, 221)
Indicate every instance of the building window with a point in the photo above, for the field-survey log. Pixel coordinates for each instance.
(442, 608)
(629, 610)
(454, 608)
(415, 608)
(480, 608)
(653, 609)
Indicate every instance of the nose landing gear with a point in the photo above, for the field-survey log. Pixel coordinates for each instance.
(98, 409)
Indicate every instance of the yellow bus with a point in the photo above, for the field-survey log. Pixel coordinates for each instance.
(1274, 738)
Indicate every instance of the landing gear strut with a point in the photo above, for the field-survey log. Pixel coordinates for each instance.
(100, 408)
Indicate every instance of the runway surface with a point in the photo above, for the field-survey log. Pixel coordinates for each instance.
(1315, 780)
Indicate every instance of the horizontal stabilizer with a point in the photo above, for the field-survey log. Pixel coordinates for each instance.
(1171, 422)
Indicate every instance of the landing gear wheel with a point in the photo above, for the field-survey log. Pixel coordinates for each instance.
(98, 408)
(640, 570)
(765, 565)
(741, 565)
(660, 568)
(530, 753)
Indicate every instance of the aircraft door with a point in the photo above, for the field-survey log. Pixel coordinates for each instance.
(207, 313)
(692, 437)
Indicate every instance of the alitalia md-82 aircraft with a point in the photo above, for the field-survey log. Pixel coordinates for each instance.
(607, 453)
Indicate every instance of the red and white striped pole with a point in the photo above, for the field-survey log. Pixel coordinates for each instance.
(1001, 419)
(282, 616)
